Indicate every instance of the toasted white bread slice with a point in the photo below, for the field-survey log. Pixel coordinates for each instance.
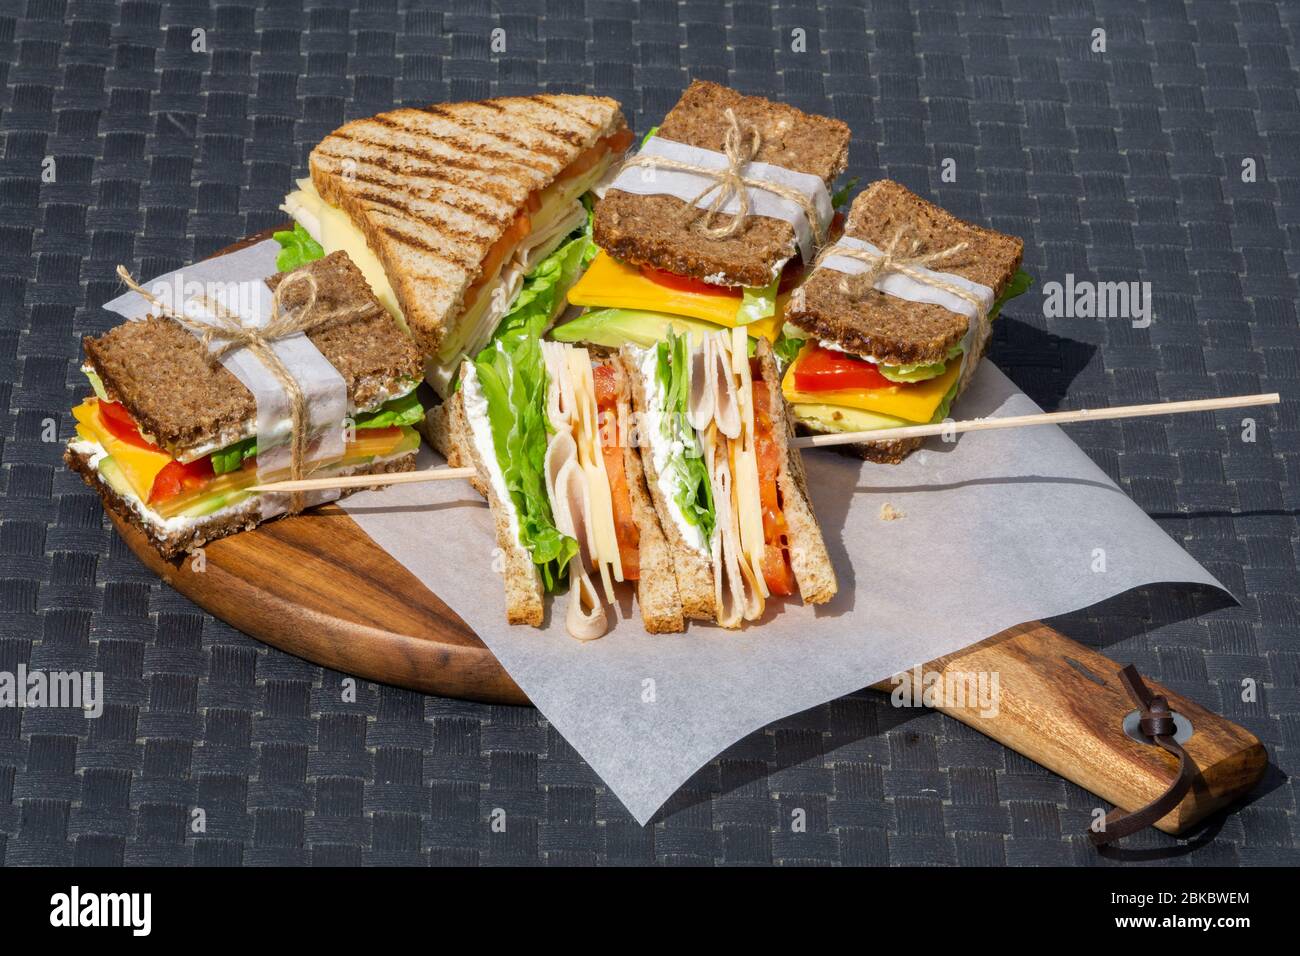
(692, 569)
(448, 430)
(812, 567)
(434, 189)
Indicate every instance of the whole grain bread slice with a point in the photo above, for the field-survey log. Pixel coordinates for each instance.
(448, 431)
(433, 189)
(182, 400)
(172, 545)
(659, 231)
(893, 330)
(809, 560)
(692, 569)
(656, 588)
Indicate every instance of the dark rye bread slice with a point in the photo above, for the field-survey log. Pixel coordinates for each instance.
(182, 400)
(650, 230)
(174, 545)
(893, 330)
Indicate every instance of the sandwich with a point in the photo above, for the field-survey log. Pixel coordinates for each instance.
(541, 423)
(454, 212)
(662, 264)
(728, 486)
(170, 438)
(898, 351)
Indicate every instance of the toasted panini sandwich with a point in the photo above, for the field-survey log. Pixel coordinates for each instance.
(899, 351)
(730, 490)
(540, 422)
(455, 212)
(170, 440)
(659, 269)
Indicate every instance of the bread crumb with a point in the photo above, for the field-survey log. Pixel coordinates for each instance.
(889, 513)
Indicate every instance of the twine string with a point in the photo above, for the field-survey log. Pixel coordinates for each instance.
(229, 332)
(900, 256)
(740, 145)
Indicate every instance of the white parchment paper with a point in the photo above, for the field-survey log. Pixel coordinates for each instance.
(999, 528)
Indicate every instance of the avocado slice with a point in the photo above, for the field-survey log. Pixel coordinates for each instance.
(614, 327)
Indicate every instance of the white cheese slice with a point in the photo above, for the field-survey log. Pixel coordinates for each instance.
(332, 228)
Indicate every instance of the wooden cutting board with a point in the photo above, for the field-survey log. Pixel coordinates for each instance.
(316, 586)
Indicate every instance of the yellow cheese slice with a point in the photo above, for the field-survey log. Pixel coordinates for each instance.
(915, 403)
(611, 284)
(140, 466)
(336, 231)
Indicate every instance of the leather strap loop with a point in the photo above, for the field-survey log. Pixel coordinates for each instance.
(1157, 722)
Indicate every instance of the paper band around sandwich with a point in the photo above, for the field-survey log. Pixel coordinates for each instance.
(731, 182)
(266, 350)
(898, 271)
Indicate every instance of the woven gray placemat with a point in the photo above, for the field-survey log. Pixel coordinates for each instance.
(1115, 166)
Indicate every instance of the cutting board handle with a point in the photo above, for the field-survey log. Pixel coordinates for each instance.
(1063, 705)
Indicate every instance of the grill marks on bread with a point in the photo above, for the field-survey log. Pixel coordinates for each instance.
(434, 188)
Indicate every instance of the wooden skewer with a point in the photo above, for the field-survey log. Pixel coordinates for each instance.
(1042, 418)
(364, 481)
(845, 438)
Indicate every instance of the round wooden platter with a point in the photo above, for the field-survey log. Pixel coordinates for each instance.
(315, 585)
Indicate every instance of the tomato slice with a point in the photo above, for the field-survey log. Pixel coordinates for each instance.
(671, 280)
(776, 559)
(617, 142)
(513, 235)
(826, 370)
(625, 530)
(121, 425)
(178, 476)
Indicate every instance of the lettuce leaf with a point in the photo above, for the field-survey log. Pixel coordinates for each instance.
(841, 195)
(403, 410)
(297, 248)
(513, 377)
(232, 457)
(758, 303)
(1018, 285)
(694, 493)
(544, 287)
(786, 347)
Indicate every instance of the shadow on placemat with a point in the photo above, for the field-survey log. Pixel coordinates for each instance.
(1041, 364)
